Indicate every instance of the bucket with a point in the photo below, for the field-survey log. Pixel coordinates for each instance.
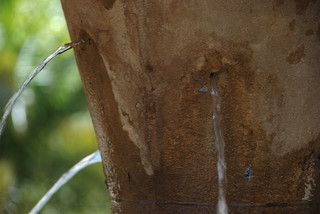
(146, 70)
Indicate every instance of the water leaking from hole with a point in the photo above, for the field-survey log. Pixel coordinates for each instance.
(85, 162)
(222, 207)
(12, 101)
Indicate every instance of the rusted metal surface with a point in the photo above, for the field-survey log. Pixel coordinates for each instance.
(145, 71)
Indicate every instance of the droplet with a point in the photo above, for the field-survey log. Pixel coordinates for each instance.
(203, 89)
(248, 174)
(214, 93)
(214, 116)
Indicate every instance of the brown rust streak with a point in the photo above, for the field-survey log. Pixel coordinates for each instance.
(104, 109)
(241, 131)
(246, 141)
(295, 56)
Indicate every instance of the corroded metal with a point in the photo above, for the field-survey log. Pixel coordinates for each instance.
(142, 69)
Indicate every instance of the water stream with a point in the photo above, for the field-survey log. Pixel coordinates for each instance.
(12, 101)
(222, 207)
(85, 162)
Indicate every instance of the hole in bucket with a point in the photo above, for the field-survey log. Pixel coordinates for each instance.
(85, 37)
(108, 4)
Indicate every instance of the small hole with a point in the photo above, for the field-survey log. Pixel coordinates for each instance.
(85, 37)
(129, 176)
(108, 4)
(212, 75)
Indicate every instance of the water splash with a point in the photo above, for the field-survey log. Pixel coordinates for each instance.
(85, 162)
(222, 207)
(12, 101)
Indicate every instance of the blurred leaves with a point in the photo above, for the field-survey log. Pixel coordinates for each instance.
(58, 127)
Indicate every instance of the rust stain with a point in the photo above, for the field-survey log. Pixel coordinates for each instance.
(301, 6)
(309, 32)
(98, 88)
(295, 56)
(241, 131)
(214, 60)
(246, 141)
(292, 25)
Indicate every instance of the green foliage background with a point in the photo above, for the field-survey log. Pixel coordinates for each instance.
(50, 129)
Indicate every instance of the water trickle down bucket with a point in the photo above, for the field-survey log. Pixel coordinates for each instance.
(222, 207)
